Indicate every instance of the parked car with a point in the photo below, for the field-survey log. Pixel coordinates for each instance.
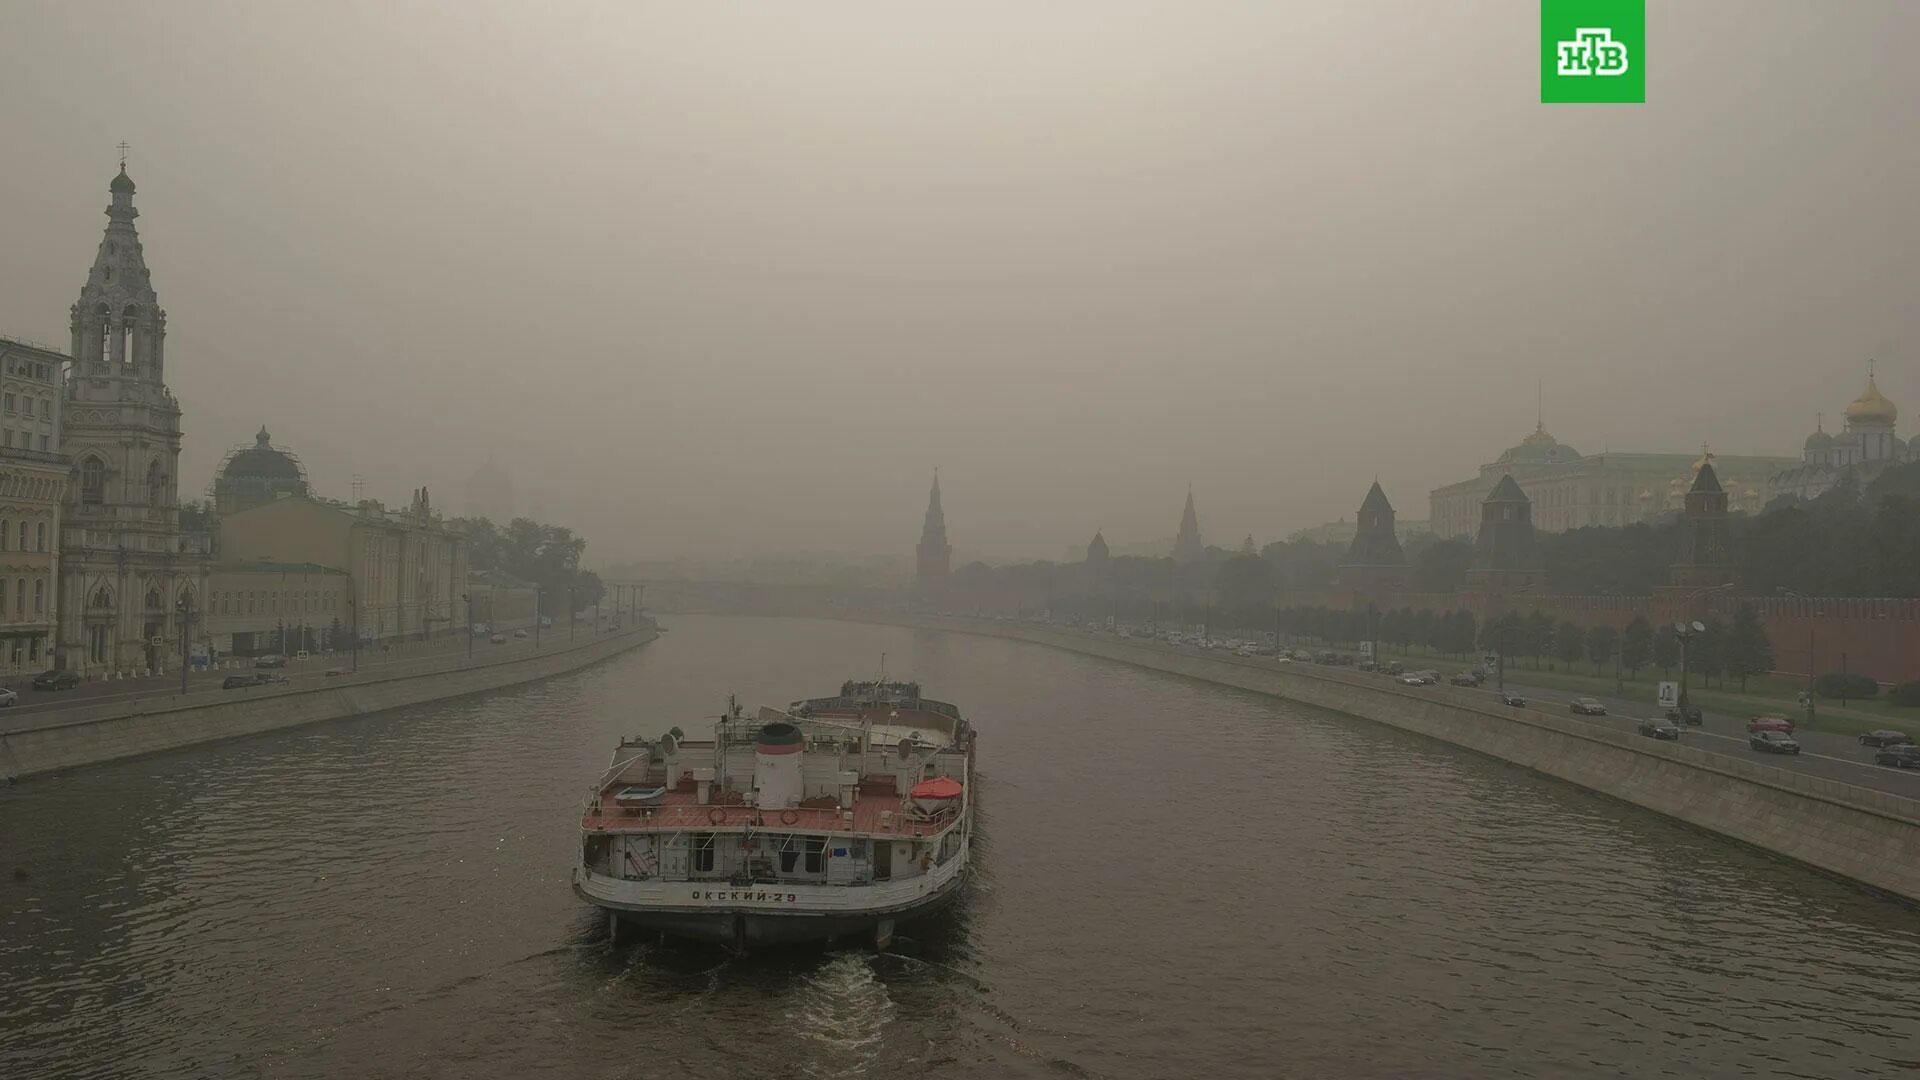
(1899, 755)
(1691, 715)
(498, 639)
(1586, 706)
(519, 633)
(238, 682)
(270, 662)
(56, 680)
(1885, 737)
(1770, 722)
(333, 672)
(267, 678)
(1514, 700)
(1660, 729)
(7, 698)
(1411, 680)
(1773, 742)
(1466, 678)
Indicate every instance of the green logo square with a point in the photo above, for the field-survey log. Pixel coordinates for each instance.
(1593, 50)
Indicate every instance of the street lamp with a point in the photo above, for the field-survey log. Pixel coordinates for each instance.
(1686, 632)
(185, 606)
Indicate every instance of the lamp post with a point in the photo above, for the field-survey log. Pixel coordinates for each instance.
(468, 597)
(536, 619)
(1685, 632)
(353, 629)
(185, 604)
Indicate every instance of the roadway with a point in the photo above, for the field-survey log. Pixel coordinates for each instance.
(1824, 754)
(44, 708)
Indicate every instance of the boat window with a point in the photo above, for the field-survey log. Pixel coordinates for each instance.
(816, 855)
(789, 854)
(702, 852)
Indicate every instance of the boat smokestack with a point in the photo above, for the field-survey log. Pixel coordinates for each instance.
(777, 781)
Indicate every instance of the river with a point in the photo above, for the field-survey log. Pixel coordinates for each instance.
(1173, 880)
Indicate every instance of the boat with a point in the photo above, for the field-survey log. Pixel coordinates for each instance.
(835, 818)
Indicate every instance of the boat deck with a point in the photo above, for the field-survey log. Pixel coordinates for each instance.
(876, 809)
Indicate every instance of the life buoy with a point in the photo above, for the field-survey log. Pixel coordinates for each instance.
(789, 817)
(716, 815)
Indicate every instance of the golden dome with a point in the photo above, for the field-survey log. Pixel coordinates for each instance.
(1539, 437)
(1872, 406)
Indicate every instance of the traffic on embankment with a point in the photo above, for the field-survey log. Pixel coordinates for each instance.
(53, 735)
(1843, 816)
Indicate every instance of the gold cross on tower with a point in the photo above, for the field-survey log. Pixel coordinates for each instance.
(123, 148)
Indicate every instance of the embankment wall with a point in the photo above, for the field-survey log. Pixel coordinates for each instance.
(1867, 835)
(121, 730)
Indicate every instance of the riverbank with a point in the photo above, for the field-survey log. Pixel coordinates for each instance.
(118, 729)
(1866, 835)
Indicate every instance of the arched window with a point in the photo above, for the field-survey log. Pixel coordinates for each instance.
(102, 598)
(39, 598)
(93, 481)
(20, 598)
(6, 529)
(40, 537)
(153, 599)
(24, 533)
(156, 483)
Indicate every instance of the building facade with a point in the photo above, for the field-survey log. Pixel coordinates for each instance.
(1571, 490)
(128, 571)
(254, 609)
(406, 569)
(501, 602)
(33, 482)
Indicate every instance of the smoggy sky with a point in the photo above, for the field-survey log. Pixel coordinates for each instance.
(712, 280)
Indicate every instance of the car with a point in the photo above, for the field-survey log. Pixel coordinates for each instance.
(1466, 678)
(1430, 677)
(8, 698)
(1885, 737)
(268, 678)
(1411, 680)
(1514, 700)
(1899, 755)
(1770, 722)
(56, 680)
(1691, 715)
(1586, 706)
(275, 661)
(1660, 729)
(498, 639)
(1773, 742)
(335, 672)
(239, 682)
(519, 633)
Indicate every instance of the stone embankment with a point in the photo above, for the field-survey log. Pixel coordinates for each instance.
(1869, 836)
(124, 728)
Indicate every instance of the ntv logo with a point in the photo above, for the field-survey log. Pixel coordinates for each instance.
(1592, 52)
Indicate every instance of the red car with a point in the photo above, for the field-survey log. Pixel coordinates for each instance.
(1770, 722)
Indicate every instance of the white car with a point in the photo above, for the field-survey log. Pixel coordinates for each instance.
(8, 698)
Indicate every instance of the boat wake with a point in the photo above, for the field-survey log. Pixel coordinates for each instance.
(841, 1012)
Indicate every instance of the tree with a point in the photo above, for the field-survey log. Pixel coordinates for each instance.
(1707, 652)
(1601, 641)
(1569, 643)
(1245, 580)
(1636, 644)
(1666, 651)
(1748, 652)
(1536, 636)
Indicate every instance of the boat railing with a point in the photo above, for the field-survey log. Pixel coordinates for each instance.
(906, 821)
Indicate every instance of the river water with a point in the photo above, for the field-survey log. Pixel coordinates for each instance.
(1173, 880)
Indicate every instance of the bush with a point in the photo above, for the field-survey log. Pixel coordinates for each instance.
(1846, 685)
(1906, 694)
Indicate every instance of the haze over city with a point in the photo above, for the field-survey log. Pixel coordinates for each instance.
(722, 283)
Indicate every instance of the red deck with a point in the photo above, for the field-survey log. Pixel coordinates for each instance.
(876, 809)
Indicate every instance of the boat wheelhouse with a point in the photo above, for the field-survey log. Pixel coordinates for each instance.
(836, 817)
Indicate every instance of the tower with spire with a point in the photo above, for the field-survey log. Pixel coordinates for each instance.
(1506, 558)
(129, 572)
(1187, 547)
(934, 556)
(1705, 557)
(1375, 564)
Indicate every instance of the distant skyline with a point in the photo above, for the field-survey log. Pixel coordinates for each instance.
(707, 283)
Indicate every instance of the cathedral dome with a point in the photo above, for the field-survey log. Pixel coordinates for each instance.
(1872, 406)
(262, 461)
(121, 183)
(1819, 440)
(1539, 448)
